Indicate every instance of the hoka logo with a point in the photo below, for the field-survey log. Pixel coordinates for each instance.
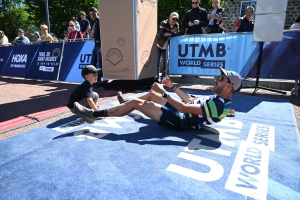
(19, 58)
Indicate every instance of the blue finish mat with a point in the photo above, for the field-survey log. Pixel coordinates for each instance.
(253, 155)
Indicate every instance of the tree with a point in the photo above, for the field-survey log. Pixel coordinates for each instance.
(14, 18)
(60, 12)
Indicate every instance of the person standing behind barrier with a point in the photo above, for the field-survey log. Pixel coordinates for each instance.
(85, 26)
(46, 37)
(296, 25)
(246, 23)
(215, 17)
(21, 39)
(96, 53)
(168, 28)
(195, 19)
(84, 95)
(37, 35)
(74, 35)
(66, 35)
(77, 25)
(3, 39)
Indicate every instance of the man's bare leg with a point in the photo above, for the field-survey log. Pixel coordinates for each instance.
(153, 96)
(150, 109)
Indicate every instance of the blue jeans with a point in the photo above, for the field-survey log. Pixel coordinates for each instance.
(162, 52)
(97, 59)
(86, 36)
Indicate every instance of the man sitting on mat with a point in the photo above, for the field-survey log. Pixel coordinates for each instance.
(195, 113)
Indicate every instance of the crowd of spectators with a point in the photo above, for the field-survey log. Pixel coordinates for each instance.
(196, 21)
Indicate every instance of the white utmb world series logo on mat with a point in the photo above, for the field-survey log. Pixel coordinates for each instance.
(193, 55)
(18, 60)
(249, 173)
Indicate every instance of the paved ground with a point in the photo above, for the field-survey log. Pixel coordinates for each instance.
(21, 97)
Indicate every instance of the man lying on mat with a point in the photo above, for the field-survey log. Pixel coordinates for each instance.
(158, 105)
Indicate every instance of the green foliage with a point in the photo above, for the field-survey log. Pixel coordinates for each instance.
(15, 18)
(166, 7)
(30, 14)
(60, 12)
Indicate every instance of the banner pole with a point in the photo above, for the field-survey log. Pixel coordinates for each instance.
(61, 57)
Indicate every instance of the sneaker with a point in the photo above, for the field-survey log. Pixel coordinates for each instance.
(85, 113)
(120, 97)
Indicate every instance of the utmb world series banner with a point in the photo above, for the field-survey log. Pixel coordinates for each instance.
(205, 54)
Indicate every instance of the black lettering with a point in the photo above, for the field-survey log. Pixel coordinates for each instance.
(221, 51)
(185, 50)
(82, 59)
(206, 51)
(193, 49)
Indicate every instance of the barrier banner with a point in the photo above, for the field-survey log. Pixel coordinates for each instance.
(2, 58)
(45, 61)
(281, 60)
(75, 56)
(205, 54)
(16, 60)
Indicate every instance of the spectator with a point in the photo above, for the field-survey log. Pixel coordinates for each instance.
(37, 35)
(74, 35)
(195, 19)
(296, 25)
(66, 34)
(3, 39)
(215, 17)
(46, 37)
(77, 26)
(85, 26)
(21, 39)
(168, 28)
(96, 53)
(246, 23)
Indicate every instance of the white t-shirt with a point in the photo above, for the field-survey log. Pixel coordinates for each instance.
(211, 20)
(296, 26)
(3, 40)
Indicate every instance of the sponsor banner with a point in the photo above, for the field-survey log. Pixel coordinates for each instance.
(2, 58)
(45, 62)
(76, 55)
(18, 59)
(281, 60)
(205, 54)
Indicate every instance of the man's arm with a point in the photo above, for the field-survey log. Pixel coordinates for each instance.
(237, 25)
(204, 21)
(185, 21)
(92, 34)
(182, 107)
(186, 98)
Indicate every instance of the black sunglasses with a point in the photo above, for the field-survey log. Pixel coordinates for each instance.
(194, 2)
(174, 19)
(71, 25)
(221, 78)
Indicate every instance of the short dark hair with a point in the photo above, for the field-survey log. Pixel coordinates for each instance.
(93, 9)
(297, 18)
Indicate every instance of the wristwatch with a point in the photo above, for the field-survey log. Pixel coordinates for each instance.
(165, 95)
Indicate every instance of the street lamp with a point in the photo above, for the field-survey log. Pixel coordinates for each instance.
(47, 15)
